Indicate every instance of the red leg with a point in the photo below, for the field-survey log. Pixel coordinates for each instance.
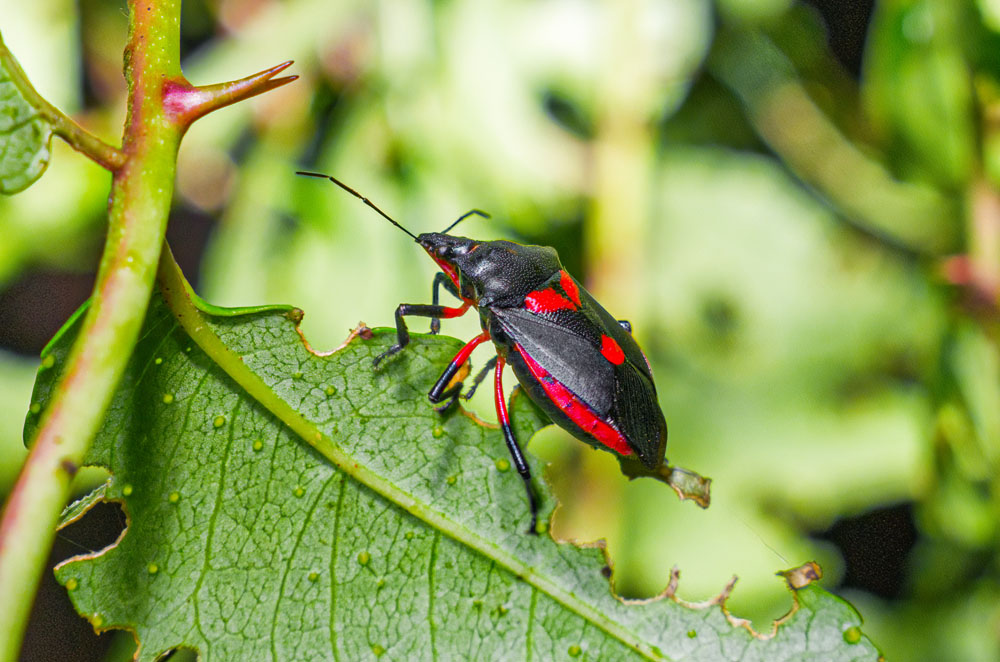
(441, 390)
(450, 313)
(515, 450)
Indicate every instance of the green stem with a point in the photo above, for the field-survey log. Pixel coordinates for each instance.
(912, 216)
(162, 104)
(78, 138)
(140, 203)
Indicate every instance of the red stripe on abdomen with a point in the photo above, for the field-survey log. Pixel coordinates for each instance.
(575, 409)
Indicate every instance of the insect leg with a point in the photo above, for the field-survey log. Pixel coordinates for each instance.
(625, 324)
(444, 389)
(421, 310)
(440, 278)
(515, 450)
(492, 363)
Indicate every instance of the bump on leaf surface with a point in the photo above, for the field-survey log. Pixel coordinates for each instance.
(270, 552)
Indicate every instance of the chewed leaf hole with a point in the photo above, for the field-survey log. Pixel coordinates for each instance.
(100, 527)
(344, 503)
(53, 611)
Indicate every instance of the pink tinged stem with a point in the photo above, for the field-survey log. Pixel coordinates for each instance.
(139, 206)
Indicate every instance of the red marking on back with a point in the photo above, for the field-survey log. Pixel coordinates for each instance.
(575, 409)
(547, 301)
(611, 350)
(569, 287)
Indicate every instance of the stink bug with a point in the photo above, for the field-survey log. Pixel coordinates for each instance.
(574, 360)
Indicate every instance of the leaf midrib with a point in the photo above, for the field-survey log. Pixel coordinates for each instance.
(183, 303)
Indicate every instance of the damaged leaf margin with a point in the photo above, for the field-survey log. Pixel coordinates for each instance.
(76, 511)
(566, 574)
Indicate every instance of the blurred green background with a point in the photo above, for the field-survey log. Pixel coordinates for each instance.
(795, 203)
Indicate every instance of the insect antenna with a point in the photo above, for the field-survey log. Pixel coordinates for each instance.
(464, 216)
(361, 198)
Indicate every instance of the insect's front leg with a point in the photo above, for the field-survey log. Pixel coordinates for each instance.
(440, 278)
(420, 310)
(403, 333)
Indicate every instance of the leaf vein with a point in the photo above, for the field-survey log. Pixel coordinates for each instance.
(142, 375)
(430, 593)
(303, 527)
(334, 546)
(530, 625)
(212, 518)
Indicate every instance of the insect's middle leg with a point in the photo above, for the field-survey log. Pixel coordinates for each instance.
(420, 310)
(516, 453)
(444, 389)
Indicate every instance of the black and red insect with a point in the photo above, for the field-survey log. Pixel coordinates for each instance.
(575, 361)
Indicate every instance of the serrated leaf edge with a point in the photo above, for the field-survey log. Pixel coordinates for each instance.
(670, 591)
(183, 303)
(98, 495)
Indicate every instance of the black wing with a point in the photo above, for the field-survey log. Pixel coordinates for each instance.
(573, 360)
(567, 344)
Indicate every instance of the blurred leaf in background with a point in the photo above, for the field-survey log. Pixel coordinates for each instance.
(794, 202)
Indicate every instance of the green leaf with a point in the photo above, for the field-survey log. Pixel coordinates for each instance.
(917, 87)
(24, 133)
(780, 107)
(244, 543)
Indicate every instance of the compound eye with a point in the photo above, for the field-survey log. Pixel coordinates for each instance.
(443, 251)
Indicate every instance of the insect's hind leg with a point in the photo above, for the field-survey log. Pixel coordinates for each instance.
(480, 376)
(516, 454)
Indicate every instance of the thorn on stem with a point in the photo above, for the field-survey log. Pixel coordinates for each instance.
(186, 103)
